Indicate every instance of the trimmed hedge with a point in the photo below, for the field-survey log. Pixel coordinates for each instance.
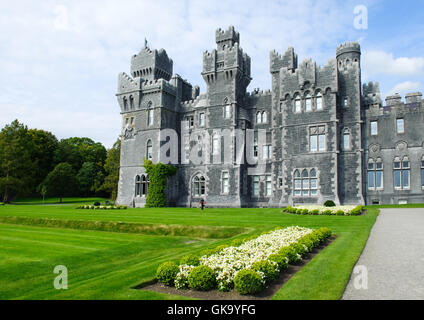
(190, 260)
(356, 211)
(167, 272)
(248, 282)
(202, 278)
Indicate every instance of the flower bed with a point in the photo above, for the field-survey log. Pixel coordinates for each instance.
(101, 207)
(245, 266)
(322, 210)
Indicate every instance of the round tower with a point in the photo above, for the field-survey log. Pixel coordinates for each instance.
(347, 53)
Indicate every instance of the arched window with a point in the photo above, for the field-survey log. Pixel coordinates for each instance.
(314, 182)
(297, 105)
(297, 184)
(308, 102)
(137, 186)
(306, 184)
(319, 101)
(131, 103)
(149, 150)
(199, 186)
(258, 117)
(144, 184)
(402, 174)
(264, 117)
(125, 104)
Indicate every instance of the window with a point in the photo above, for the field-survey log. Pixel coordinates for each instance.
(266, 152)
(401, 171)
(137, 186)
(319, 101)
(297, 105)
(141, 185)
(215, 144)
(255, 147)
(308, 103)
(144, 185)
(268, 186)
(280, 182)
(132, 121)
(422, 172)
(199, 186)
(400, 126)
(317, 139)
(150, 117)
(201, 119)
(125, 104)
(305, 184)
(258, 117)
(149, 151)
(375, 174)
(131, 102)
(345, 102)
(374, 128)
(189, 121)
(264, 117)
(256, 186)
(281, 107)
(346, 140)
(225, 182)
(227, 111)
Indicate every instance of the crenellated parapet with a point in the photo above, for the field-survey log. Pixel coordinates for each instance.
(371, 94)
(151, 65)
(348, 47)
(226, 37)
(288, 60)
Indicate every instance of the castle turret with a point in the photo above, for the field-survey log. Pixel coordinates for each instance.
(151, 65)
(349, 52)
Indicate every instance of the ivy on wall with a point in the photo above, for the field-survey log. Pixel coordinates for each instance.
(158, 175)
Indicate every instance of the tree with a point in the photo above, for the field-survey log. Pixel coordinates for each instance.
(158, 176)
(17, 169)
(87, 177)
(111, 167)
(61, 181)
(42, 149)
(76, 151)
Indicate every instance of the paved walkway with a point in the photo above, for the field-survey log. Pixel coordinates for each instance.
(393, 257)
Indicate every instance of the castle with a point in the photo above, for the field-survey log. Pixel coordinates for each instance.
(317, 135)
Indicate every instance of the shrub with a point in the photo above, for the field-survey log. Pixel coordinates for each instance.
(329, 203)
(299, 248)
(270, 269)
(315, 212)
(356, 211)
(96, 204)
(248, 282)
(305, 211)
(167, 272)
(299, 211)
(327, 212)
(340, 213)
(306, 241)
(190, 260)
(288, 209)
(202, 278)
(325, 231)
(291, 254)
(280, 260)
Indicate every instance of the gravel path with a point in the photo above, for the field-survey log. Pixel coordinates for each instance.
(393, 258)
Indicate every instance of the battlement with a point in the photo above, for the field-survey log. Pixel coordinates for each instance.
(288, 60)
(258, 93)
(228, 37)
(348, 47)
(413, 97)
(151, 64)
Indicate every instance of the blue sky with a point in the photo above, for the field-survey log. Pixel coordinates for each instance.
(59, 60)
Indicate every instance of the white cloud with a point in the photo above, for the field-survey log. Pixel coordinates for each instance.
(405, 87)
(383, 63)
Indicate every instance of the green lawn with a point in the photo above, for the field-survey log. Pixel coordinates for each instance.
(70, 200)
(106, 265)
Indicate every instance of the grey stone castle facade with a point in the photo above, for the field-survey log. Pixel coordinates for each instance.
(317, 135)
